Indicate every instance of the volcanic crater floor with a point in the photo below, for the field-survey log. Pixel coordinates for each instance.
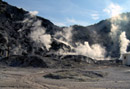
(95, 77)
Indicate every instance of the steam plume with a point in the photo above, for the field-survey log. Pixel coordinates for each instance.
(124, 42)
(95, 51)
(41, 38)
(38, 33)
(33, 13)
(65, 35)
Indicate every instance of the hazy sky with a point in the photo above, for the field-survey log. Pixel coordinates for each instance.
(70, 12)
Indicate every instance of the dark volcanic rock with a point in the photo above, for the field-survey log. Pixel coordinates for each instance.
(69, 61)
(76, 75)
(24, 61)
(57, 45)
(78, 58)
(114, 62)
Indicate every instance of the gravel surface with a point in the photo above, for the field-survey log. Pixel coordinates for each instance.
(32, 78)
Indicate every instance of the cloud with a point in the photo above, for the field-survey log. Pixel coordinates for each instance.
(113, 9)
(95, 16)
(59, 24)
(33, 13)
(68, 22)
(73, 21)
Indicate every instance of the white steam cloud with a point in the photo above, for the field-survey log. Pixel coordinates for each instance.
(41, 38)
(38, 33)
(95, 51)
(115, 25)
(33, 13)
(124, 42)
(17, 50)
(65, 35)
(113, 9)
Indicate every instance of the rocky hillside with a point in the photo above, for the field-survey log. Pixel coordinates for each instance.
(22, 33)
(14, 31)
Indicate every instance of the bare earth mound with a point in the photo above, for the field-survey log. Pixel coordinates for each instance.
(76, 75)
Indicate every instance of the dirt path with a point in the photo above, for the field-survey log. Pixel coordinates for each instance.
(24, 80)
(30, 80)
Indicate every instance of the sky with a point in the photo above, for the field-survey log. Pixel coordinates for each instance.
(71, 12)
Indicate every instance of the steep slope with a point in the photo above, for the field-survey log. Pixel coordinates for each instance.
(15, 26)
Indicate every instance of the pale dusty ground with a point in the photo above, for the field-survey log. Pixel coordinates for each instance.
(32, 78)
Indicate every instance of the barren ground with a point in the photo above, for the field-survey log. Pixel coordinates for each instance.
(33, 78)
